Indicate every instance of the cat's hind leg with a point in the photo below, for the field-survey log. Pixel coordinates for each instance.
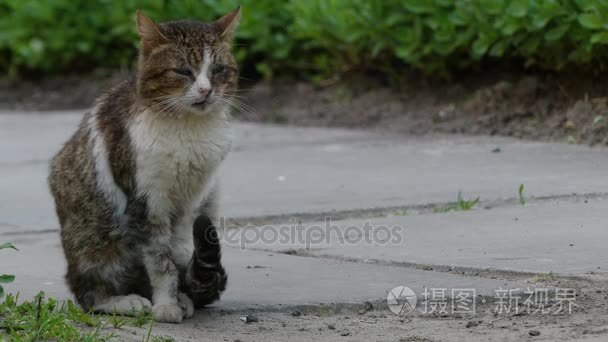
(110, 282)
(98, 293)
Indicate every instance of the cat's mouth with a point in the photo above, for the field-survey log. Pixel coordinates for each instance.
(201, 104)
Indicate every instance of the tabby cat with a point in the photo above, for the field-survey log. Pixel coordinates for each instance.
(140, 173)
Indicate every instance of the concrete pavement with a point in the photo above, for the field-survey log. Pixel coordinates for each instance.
(277, 172)
(256, 279)
(563, 237)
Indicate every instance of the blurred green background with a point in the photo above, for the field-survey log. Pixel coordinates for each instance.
(315, 38)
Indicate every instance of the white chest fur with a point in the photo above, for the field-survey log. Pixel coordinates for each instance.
(176, 160)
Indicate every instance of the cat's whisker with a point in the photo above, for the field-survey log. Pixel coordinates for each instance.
(238, 103)
(240, 110)
(166, 106)
(241, 90)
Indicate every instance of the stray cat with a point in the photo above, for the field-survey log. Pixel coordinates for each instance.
(131, 182)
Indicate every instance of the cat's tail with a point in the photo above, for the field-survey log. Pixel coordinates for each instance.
(205, 278)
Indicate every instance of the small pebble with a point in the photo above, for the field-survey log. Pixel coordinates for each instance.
(344, 332)
(296, 313)
(331, 327)
(534, 332)
(249, 319)
(367, 306)
(472, 324)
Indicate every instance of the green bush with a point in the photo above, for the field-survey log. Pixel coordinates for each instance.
(315, 37)
(443, 34)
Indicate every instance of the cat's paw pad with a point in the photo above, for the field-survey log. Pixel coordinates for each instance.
(186, 304)
(167, 313)
(137, 303)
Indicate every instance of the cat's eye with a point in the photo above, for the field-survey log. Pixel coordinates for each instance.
(218, 69)
(184, 72)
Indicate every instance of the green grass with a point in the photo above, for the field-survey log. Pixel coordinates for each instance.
(47, 319)
(545, 277)
(520, 192)
(400, 212)
(140, 319)
(461, 204)
(6, 278)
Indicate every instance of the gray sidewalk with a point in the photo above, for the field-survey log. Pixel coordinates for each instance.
(282, 171)
(357, 177)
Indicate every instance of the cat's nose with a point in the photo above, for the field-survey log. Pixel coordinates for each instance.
(204, 92)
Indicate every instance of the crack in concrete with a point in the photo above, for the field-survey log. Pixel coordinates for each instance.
(365, 213)
(488, 273)
(405, 210)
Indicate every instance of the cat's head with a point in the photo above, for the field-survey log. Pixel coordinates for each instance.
(187, 66)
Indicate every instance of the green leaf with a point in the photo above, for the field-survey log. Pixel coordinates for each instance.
(419, 6)
(499, 48)
(458, 18)
(540, 21)
(1, 291)
(520, 192)
(586, 5)
(510, 27)
(494, 7)
(6, 278)
(590, 20)
(518, 8)
(556, 33)
(599, 38)
(8, 245)
(482, 44)
(531, 45)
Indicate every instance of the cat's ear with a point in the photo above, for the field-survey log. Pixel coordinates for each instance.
(149, 32)
(228, 23)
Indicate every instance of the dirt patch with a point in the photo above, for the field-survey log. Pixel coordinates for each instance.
(588, 320)
(567, 107)
(570, 109)
(68, 92)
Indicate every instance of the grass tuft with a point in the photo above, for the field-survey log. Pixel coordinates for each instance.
(46, 319)
(545, 277)
(461, 204)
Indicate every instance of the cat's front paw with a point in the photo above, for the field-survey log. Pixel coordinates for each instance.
(186, 304)
(167, 313)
